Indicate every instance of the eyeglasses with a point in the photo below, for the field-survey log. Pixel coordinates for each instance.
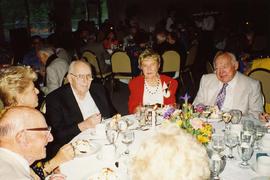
(88, 77)
(49, 128)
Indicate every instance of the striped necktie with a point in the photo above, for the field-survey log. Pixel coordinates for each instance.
(221, 96)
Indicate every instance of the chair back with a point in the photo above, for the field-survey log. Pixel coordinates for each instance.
(120, 63)
(262, 75)
(209, 67)
(171, 61)
(191, 55)
(92, 59)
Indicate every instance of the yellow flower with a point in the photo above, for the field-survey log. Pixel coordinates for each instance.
(179, 123)
(202, 139)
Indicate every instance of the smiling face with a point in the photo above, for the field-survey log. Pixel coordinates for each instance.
(29, 96)
(149, 67)
(225, 68)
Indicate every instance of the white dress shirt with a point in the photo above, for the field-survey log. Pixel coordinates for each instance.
(87, 105)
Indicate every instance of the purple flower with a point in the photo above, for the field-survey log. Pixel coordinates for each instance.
(200, 108)
(185, 98)
(168, 113)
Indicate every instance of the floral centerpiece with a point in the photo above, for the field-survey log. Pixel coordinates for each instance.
(186, 118)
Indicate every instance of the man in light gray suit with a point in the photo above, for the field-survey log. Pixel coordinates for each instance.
(24, 135)
(55, 69)
(229, 89)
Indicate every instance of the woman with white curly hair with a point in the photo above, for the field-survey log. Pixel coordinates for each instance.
(171, 153)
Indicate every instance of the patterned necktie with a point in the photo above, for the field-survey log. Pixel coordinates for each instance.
(221, 96)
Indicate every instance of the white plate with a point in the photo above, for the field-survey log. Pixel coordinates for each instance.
(96, 176)
(94, 148)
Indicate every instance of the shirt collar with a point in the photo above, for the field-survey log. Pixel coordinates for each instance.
(232, 82)
(18, 157)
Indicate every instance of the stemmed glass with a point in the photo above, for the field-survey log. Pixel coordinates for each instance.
(112, 136)
(259, 133)
(245, 151)
(128, 138)
(217, 164)
(218, 142)
(231, 141)
(236, 116)
(226, 117)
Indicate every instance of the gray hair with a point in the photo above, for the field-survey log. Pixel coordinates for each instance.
(182, 157)
(228, 55)
(74, 63)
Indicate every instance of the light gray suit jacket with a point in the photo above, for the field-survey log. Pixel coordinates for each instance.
(247, 94)
(10, 168)
(55, 73)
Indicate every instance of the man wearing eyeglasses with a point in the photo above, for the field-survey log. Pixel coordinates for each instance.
(76, 106)
(24, 135)
(229, 89)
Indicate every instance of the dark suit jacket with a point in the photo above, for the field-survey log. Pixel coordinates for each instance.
(63, 114)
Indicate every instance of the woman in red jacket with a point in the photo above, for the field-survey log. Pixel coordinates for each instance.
(151, 88)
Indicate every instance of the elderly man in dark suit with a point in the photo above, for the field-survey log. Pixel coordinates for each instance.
(76, 106)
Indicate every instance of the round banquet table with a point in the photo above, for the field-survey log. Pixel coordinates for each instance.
(82, 168)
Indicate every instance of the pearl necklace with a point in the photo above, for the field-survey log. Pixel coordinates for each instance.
(147, 87)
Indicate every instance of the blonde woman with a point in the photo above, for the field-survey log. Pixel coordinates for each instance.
(17, 89)
(151, 88)
(171, 153)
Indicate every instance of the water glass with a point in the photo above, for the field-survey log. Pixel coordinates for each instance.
(236, 116)
(247, 137)
(248, 125)
(218, 142)
(259, 133)
(128, 138)
(231, 141)
(217, 164)
(245, 151)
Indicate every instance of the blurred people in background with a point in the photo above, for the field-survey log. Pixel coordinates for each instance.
(31, 57)
(150, 88)
(54, 69)
(110, 41)
(160, 44)
(171, 153)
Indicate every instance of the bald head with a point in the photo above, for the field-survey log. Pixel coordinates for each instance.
(17, 118)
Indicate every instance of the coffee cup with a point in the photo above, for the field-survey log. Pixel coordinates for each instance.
(263, 165)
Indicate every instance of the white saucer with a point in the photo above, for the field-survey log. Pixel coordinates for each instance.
(254, 168)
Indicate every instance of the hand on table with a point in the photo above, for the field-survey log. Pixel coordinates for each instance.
(90, 122)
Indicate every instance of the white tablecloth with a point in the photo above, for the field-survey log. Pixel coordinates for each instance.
(82, 168)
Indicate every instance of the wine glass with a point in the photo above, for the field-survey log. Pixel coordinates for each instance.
(217, 164)
(248, 125)
(236, 116)
(226, 117)
(259, 133)
(247, 137)
(128, 138)
(218, 142)
(231, 141)
(245, 151)
(112, 136)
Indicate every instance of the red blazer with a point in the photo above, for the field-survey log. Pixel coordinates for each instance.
(136, 88)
